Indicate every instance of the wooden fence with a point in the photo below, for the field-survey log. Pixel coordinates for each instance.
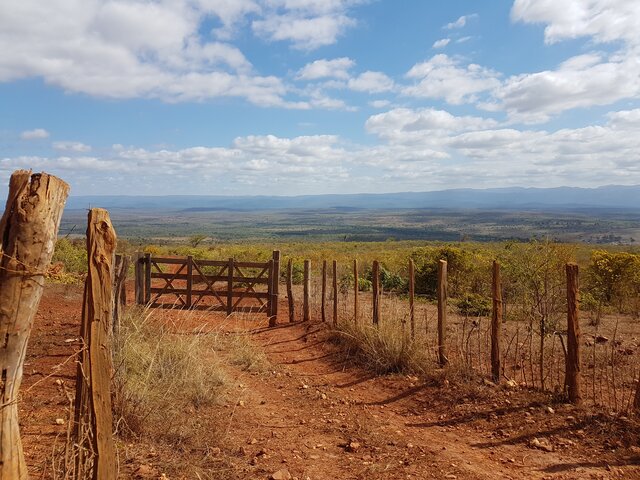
(228, 286)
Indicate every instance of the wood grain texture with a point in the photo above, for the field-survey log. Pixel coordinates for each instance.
(28, 231)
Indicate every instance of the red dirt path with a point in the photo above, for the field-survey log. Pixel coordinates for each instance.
(304, 413)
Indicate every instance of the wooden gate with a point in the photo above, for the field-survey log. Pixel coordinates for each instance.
(229, 286)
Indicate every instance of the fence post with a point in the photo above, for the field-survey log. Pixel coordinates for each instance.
(189, 281)
(572, 370)
(28, 232)
(95, 450)
(442, 313)
(355, 291)
(496, 321)
(307, 291)
(292, 317)
(119, 287)
(375, 277)
(139, 280)
(335, 292)
(275, 292)
(147, 278)
(412, 291)
(323, 294)
(230, 270)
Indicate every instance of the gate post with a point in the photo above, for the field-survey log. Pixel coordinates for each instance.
(147, 278)
(230, 287)
(189, 280)
(139, 281)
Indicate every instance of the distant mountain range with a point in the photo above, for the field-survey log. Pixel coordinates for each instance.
(516, 198)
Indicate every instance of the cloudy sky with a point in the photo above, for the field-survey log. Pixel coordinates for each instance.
(291, 97)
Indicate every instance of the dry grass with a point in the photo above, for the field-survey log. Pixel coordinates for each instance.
(163, 376)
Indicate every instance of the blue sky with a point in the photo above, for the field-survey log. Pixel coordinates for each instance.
(291, 97)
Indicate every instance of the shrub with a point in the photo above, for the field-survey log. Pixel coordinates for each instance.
(474, 305)
(72, 254)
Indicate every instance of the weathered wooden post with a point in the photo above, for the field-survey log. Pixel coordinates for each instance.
(292, 312)
(275, 289)
(496, 321)
(375, 277)
(139, 280)
(355, 291)
(93, 421)
(442, 313)
(28, 231)
(119, 287)
(306, 316)
(335, 293)
(147, 278)
(230, 271)
(412, 292)
(572, 370)
(323, 295)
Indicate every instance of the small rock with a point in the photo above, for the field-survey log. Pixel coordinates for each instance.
(281, 475)
(550, 410)
(60, 421)
(215, 451)
(511, 384)
(353, 446)
(541, 444)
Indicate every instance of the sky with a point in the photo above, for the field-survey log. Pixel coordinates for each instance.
(290, 97)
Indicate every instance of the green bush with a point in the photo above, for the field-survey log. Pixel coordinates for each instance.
(72, 254)
(474, 305)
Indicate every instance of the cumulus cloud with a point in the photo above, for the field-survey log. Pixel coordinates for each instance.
(371, 82)
(604, 21)
(35, 134)
(447, 78)
(335, 68)
(443, 42)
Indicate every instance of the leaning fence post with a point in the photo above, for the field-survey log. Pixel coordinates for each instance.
(307, 291)
(95, 449)
(375, 277)
(442, 313)
(335, 292)
(292, 313)
(572, 370)
(496, 321)
(28, 232)
(412, 291)
(323, 293)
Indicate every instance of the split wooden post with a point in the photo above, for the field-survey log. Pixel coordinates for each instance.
(119, 295)
(306, 316)
(139, 280)
(496, 322)
(572, 371)
(147, 278)
(95, 448)
(275, 289)
(28, 232)
(412, 292)
(375, 277)
(230, 270)
(323, 294)
(189, 281)
(442, 313)
(292, 313)
(355, 291)
(335, 292)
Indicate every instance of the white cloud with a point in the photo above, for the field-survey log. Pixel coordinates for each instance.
(371, 82)
(77, 147)
(307, 24)
(35, 134)
(604, 20)
(581, 81)
(460, 22)
(380, 103)
(443, 42)
(444, 77)
(336, 68)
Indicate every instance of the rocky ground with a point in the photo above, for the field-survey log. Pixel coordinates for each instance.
(313, 414)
